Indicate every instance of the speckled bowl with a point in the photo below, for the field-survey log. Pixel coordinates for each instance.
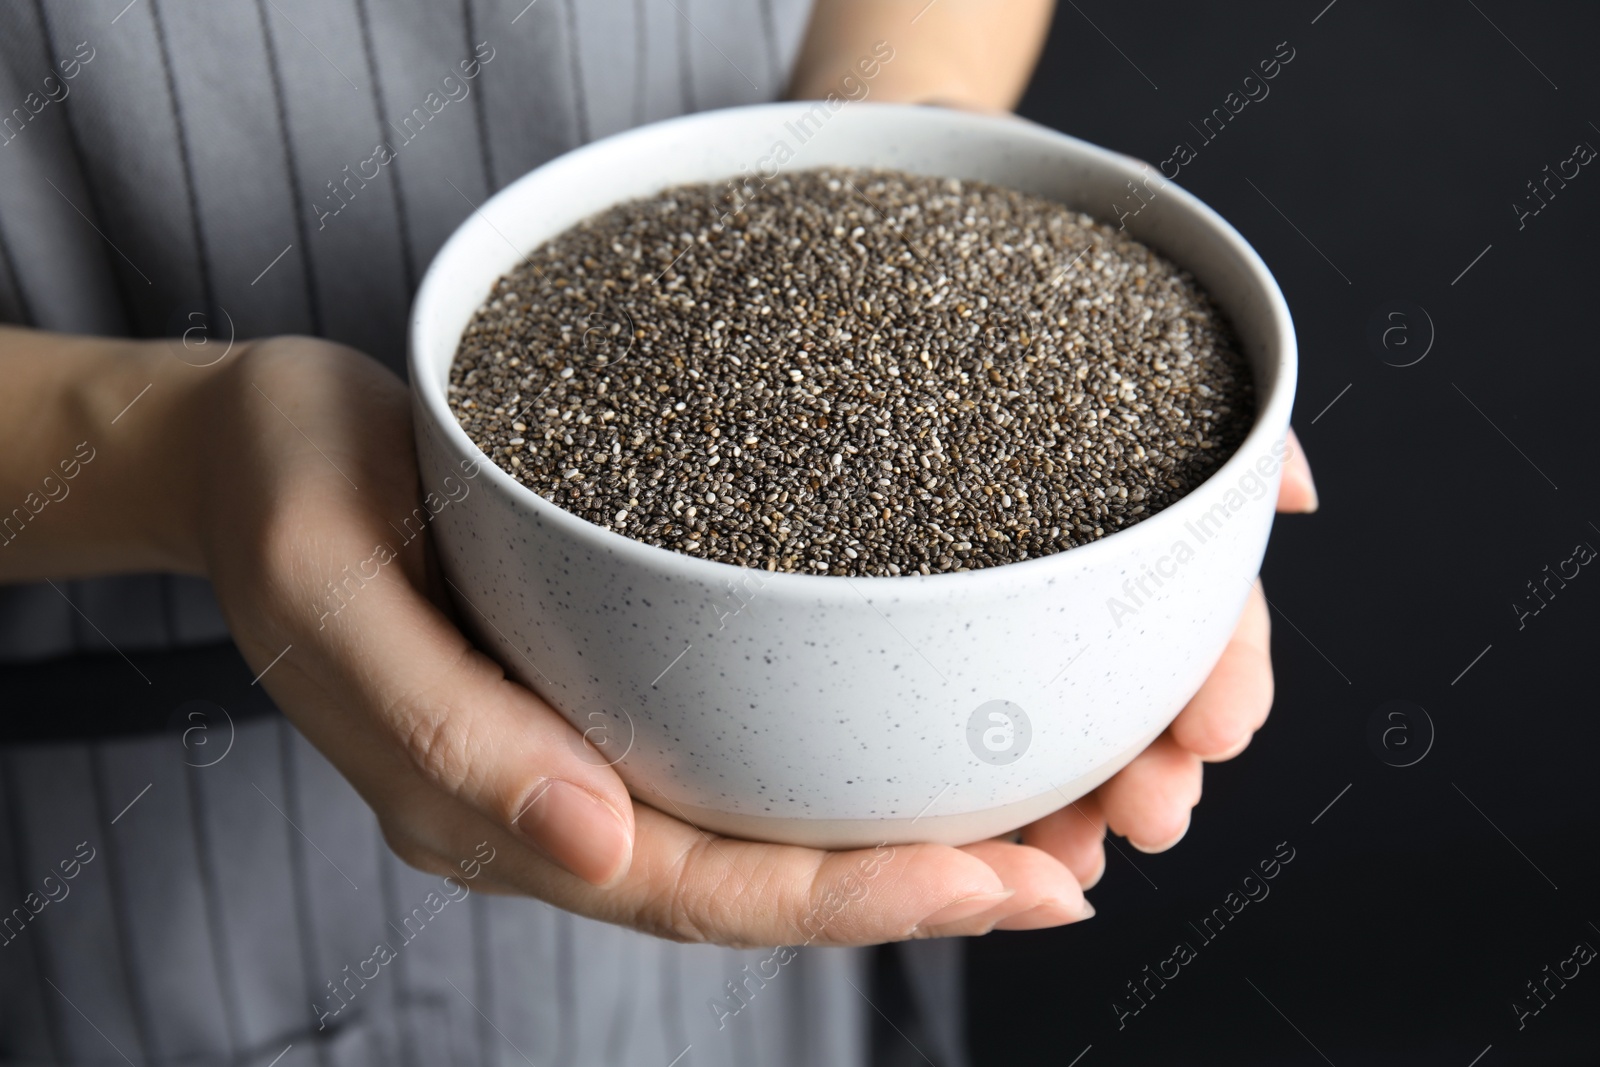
(842, 712)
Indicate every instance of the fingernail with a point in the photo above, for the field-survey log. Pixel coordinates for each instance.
(1232, 751)
(966, 908)
(1311, 487)
(1153, 849)
(572, 827)
(1050, 914)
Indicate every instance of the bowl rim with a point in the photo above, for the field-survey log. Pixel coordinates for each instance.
(430, 396)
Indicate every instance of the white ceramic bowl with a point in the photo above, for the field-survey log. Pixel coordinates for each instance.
(842, 712)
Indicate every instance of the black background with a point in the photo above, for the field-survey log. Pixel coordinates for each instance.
(1396, 141)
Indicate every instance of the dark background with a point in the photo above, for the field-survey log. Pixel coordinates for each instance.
(1418, 905)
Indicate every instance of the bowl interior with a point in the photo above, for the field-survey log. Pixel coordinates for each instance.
(763, 140)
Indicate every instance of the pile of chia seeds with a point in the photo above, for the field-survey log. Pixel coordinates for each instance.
(854, 373)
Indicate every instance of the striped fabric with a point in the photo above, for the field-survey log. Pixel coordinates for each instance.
(201, 140)
(206, 157)
(221, 906)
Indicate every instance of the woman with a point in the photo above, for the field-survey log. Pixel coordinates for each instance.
(204, 174)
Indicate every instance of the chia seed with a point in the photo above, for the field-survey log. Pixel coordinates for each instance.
(855, 373)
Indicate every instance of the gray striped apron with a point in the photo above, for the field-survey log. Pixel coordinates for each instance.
(187, 882)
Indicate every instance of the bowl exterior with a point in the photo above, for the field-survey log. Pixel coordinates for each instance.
(843, 712)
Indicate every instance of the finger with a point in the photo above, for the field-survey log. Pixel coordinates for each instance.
(1296, 491)
(421, 693)
(482, 738)
(1075, 835)
(1233, 703)
(1046, 894)
(689, 885)
(1149, 800)
(820, 925)
(1046, 916)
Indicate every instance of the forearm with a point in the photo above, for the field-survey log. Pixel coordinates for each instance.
(968, 53)
(88, 484)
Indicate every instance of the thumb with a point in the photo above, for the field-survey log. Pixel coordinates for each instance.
(302, 546)
(476, 735)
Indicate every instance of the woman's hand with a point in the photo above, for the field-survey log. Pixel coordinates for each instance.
(974, 54)
(1149, 800)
